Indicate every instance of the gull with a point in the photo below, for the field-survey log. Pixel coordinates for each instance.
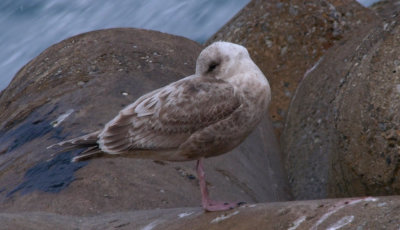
(203, 115)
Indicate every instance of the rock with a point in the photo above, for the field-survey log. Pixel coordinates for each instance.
(75, 87)
(388, 10)
(349, 213)
(342, 132)
(285, 38)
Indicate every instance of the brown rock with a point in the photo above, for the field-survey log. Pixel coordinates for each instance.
(342, 132)
(285, 38)
(75, 87)
(387, 9)
(354, 213)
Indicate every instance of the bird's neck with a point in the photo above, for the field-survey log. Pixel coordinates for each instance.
(249, 80)
(252, 85)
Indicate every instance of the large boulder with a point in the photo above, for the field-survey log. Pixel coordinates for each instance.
(285, 38)
(342, 132)
(75, 87)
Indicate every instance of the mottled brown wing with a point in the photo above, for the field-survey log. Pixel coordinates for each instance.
(165, 118)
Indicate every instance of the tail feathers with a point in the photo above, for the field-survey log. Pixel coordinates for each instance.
(88, 141)
(92, 152)
(79, 142)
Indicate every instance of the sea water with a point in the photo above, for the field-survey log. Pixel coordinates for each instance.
(27, 27)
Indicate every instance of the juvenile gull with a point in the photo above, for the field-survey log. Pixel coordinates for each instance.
(203, 115)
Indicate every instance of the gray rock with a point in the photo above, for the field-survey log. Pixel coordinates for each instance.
(342, 137)
(349, 213)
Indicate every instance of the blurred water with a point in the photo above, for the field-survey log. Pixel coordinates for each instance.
(30, 26)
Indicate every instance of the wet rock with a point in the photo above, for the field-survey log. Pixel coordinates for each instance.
(342, 132)
(75, 87)
(354, 213)
(285, 38)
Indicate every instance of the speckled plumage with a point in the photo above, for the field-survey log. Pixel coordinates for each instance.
(202, 115)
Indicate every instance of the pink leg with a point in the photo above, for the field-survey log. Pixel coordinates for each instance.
(208, 204)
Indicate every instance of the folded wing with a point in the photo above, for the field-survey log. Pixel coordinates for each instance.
(165, 118)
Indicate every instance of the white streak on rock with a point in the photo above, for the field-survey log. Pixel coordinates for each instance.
(342, 222)
(151, 225)
(61, 118)
(248, 206)
(382, 204)
(297, 223)
(304, 76)
(313, 67)
(328, 214)
(224, 217)
(373, 199)
(185, 214)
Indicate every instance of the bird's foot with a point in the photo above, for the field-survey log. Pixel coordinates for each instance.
(213, 206)
(209, 205)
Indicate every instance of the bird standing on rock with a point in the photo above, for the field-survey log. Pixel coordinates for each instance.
(203, 115)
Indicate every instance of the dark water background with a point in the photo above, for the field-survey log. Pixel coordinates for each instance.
(27, 27)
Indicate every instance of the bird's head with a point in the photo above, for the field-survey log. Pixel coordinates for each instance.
(221, 60)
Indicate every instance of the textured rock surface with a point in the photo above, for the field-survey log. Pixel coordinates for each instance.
(362, 213)
(387, 9)
(342, 132)
(285, 38)
(77, 85)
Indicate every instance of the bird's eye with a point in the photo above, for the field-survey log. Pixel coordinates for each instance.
(212, 66)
